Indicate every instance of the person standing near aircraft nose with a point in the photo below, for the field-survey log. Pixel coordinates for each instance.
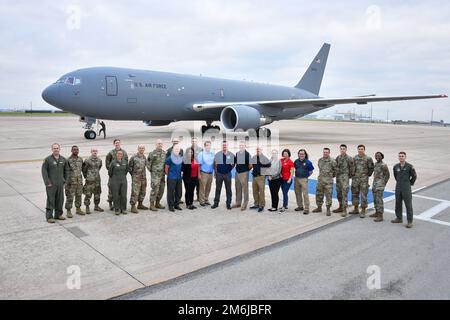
(327, 171)
(406, 176)
(138, 165)
(360, 180)
(205, 160)
(344, 171)
(54, 176)
(92, 185)
(224, 162)
(380, 179)
(118, 170)
(103, 129)
(74, 182)
(155, 164)
(112, 155)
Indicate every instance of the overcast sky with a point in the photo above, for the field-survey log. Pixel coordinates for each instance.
(378, 47)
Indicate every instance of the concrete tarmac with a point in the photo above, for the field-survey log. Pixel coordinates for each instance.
(117, 255)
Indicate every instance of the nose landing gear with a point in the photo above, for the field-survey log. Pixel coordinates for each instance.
(89, 134)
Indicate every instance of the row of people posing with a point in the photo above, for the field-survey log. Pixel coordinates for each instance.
(197, 168)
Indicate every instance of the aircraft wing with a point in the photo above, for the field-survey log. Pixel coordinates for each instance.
(318, 102)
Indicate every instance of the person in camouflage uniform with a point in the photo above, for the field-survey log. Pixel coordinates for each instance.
(155, 164)
(112, 155)
(92, 184)
(344, 171)
(360, 180)
(327, 171)
(74, 183)
(138, 165)
(54, 176)
(380, 178)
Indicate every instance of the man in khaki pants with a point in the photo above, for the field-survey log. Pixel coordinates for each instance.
(303, 170)
(243, 166)
(260, 165)
(206, 161)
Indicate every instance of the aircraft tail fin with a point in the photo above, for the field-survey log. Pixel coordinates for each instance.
(312, 79)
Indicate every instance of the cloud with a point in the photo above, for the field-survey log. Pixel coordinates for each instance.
(381, 47)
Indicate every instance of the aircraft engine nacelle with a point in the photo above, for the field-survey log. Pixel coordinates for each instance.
(157, 123)
(242, 117)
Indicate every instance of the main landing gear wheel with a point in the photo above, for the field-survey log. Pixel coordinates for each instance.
(206, 128)
(263, 132)
(90, 134)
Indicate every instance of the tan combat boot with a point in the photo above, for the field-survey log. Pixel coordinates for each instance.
(344, 212)
(363, 213)
(374, 215)
(141, 206)
(409, 225)
(69, 214)
(152, 206)
(159, 205)
(338, 210)
(51, 220)
(397, 220)
(79, 212)
(355, 210)
(61, 217)
(134, 209)
(97, 208)
(379, 218)
(88, 210)
(318, 209)
(328, 211)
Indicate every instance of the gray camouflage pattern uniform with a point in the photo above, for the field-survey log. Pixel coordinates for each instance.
(92, 185)
(74, 182)
(155, 164)
(138, 165)
(327, 171)
(360, 181)
(380, 178)
(344, 171)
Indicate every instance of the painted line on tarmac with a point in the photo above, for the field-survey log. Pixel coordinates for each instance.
(429, 198)
(430, 213)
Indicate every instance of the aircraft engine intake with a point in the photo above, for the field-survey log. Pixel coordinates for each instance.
(242, 117)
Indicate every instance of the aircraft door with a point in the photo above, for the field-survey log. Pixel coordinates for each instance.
(111, 85)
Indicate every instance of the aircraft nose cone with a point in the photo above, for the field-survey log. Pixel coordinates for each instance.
(50, 95)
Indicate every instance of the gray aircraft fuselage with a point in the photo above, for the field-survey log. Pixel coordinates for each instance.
(158, 98)
(129, 94)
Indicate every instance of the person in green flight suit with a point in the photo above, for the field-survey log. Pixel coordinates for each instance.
(54, 176)
(406, 176)
(118, 171)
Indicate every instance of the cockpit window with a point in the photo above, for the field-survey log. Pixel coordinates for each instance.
(73, 81)
(69, 80)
